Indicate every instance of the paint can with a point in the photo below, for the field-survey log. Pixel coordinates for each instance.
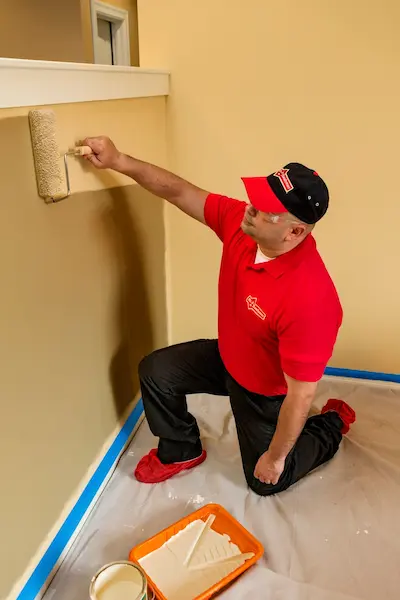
(120, 580)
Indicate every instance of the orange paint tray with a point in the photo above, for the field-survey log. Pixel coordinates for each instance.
(224, 523)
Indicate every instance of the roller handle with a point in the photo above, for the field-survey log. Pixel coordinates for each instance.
(82, 151)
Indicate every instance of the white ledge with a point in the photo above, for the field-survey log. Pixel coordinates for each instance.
(38, 83)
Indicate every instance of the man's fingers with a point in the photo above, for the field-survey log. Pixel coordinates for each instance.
(92, 140)
(264, 478)
(261, 477)
(88, 142)
(94, 160)
(95, 143)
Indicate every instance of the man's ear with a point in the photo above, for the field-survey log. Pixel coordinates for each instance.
(296, 232)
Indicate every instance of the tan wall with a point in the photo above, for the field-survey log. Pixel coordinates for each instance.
(82, 300)
(254, 88)
(41, 30)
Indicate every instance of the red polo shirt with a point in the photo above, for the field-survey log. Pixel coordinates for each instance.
(277, 317)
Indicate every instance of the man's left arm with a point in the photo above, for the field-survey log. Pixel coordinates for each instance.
(307, 334)
(292, 417)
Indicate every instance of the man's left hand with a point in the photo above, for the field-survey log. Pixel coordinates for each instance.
(268, 470)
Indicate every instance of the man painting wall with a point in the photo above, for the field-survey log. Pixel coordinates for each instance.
(279, 317)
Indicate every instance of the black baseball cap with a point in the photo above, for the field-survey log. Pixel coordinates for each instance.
(294, 188)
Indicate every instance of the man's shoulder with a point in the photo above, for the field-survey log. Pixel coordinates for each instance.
(315, 283)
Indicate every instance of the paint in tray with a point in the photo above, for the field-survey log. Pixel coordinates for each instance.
(197, 556)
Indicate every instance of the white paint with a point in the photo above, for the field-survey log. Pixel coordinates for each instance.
(40, 83)
(119, 581)
(214, 558)
(197, 541)
(198, 499)
(119, 19)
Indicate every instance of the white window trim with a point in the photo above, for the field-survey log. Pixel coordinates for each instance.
(119, 19)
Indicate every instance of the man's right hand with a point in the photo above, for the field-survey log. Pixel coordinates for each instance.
(105, 154)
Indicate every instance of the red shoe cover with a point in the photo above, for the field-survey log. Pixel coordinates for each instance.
(151, 470)
(345, 412)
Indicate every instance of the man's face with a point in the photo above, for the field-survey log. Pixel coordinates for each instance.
(268, 230)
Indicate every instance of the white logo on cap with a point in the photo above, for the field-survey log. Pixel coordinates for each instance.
(283, 177)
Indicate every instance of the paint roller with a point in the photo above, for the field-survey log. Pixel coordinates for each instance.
(51, 167)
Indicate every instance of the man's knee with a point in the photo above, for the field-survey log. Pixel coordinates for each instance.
(150, 366)
(156, 367)
(145, 366)
(264, 489)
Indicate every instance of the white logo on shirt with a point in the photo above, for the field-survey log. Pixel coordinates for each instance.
(253, 306)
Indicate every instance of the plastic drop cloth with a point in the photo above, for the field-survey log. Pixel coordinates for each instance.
(332, 536)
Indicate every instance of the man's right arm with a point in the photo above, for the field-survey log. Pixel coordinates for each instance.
(186, 196)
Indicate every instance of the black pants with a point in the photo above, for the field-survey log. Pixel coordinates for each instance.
(167, 375)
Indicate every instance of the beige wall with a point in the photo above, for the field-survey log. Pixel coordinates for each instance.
(82, 300)
(256, 87)
(41, 30)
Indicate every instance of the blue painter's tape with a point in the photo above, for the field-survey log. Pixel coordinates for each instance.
(68, 528)
(362, 374)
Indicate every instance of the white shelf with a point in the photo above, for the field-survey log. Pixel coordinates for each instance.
(38, 83)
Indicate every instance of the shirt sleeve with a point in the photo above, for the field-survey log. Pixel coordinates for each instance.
(223, 215)
(307, 336)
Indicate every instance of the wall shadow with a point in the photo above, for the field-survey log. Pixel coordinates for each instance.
(134, 223)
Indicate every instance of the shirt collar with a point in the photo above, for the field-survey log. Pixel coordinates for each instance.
(287, 261)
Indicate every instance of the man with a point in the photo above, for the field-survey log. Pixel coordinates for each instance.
(279, 316)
